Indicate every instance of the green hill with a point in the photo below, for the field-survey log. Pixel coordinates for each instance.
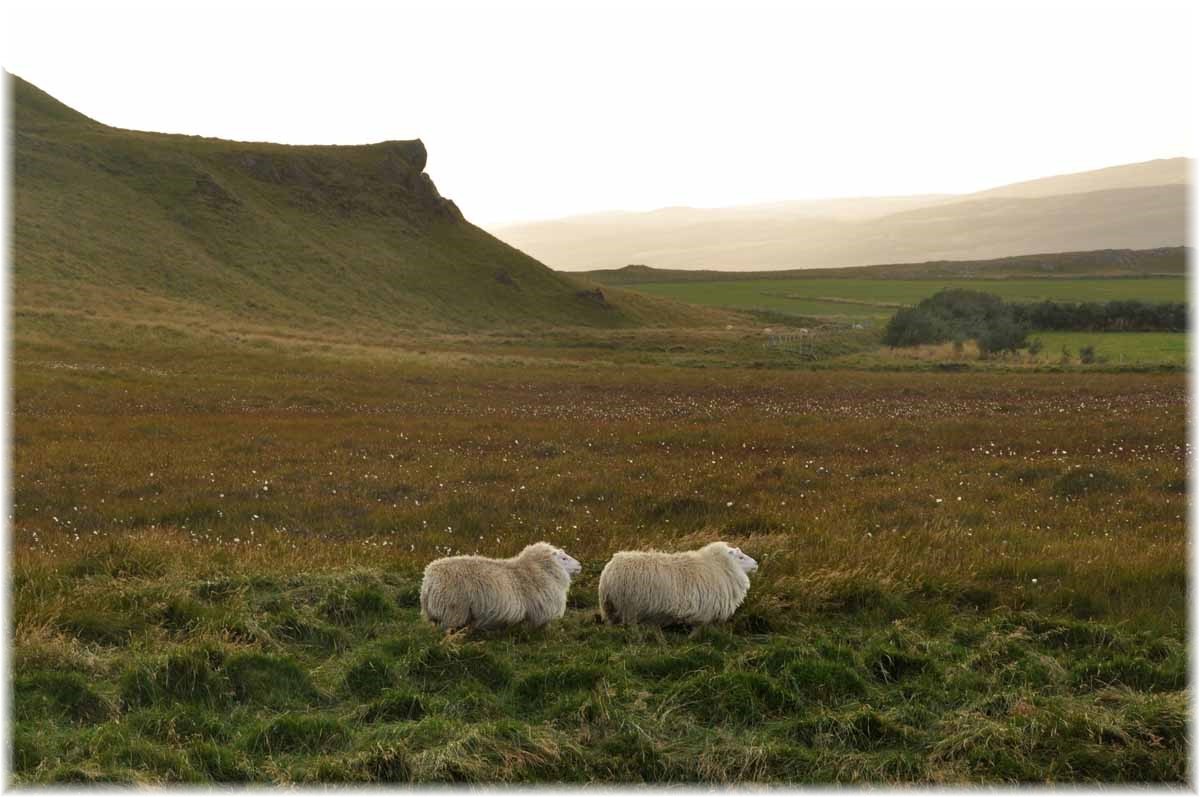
(114, 223)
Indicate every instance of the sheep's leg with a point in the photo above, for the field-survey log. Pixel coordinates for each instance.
(466, 625)
(452, 620)
(609, 612)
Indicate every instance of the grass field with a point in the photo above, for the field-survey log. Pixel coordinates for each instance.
(217, 548)
(1118, 347)
(877, 299)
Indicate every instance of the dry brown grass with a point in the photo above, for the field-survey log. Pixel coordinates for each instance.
(311, 462)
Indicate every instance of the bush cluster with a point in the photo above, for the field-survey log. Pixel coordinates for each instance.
(1126, 315)
(958, 314)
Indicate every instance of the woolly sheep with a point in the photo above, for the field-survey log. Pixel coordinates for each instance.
(482, 593)
(696, 587)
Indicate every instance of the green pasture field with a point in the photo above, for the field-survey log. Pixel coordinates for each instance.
(880, 297)
(1117, 348)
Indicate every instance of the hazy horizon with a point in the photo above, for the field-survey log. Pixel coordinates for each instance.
(536, 111)
(820, 200)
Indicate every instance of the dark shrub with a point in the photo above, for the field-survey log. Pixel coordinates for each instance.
(1001, 334)
(912, 326)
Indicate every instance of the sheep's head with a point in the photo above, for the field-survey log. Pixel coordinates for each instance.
(743, 561)
(568, 562)
(546, 553)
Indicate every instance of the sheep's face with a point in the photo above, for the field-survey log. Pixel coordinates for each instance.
(747, 564)
(568, 562)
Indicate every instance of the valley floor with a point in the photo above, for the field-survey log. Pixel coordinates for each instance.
(965, 577)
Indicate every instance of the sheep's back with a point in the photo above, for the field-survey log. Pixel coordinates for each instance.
(474, 590)
(657, 587)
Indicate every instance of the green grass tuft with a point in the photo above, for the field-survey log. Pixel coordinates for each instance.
(438, 667)
(220, 764)
(385, 764)
(395, 705)
(42, 694)
(276, 681)
(370, 676)
(357, 605)
(120, 559)
(676, 664)
(99, 624)
(738, 698)
(297, 733)
(188, 676)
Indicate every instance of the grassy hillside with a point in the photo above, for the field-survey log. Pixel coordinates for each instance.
(1172, 260)
(115, 223)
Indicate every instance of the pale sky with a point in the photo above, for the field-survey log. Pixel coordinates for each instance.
(536, 111)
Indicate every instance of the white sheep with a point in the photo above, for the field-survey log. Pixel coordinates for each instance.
(482, 593)
(696, 587)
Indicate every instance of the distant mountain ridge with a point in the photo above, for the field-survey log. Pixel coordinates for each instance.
(147, 226)
(1137, 206)
(1114, 263)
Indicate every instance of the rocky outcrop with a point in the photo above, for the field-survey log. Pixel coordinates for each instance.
(594, 296)
(379, 179)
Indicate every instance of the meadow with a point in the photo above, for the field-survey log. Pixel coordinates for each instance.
(878, 298)
(1120, 348)
(217, 545)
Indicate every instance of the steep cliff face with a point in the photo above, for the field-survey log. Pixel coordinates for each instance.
(147, 225)
(394, 171)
